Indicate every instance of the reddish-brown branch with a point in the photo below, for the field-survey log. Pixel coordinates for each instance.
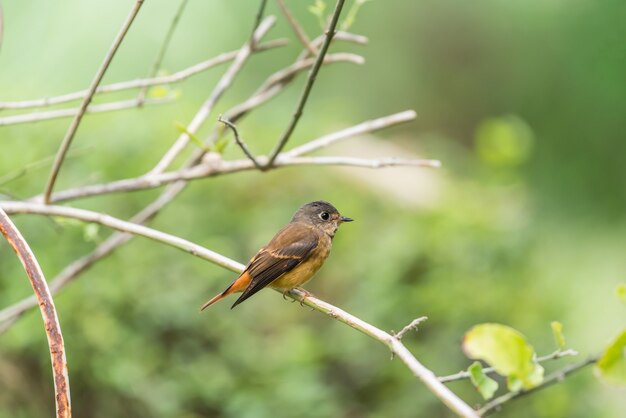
(48, 312)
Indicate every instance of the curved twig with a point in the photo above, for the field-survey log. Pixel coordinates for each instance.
(48, 312)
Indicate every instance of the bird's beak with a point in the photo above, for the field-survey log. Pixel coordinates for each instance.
(344, 219)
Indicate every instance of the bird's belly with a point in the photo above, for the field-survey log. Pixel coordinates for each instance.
(301, 273)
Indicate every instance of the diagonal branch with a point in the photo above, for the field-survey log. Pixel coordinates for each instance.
(48, 312)
(69, 135)
(452, 401)
(309, 84)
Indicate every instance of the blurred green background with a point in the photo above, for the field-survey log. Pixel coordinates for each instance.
(522, 101)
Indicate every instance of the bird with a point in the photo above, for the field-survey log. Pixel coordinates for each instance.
(292, 257)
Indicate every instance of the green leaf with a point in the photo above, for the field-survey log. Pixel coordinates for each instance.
(183, 129)
(621, 292)
(557, 331)
(485, 385)
(612, 365)
(507, 351)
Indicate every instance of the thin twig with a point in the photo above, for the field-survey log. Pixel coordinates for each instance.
(48, 312)
(66, 113)
(156, 66)
(240, 142)
(218, 91)
(395, 345)
(297, 28)
(360, 129)
(412, 326)
(464, 374)
(141, 83)
(69, 136)
(309, 84)
(553, 378)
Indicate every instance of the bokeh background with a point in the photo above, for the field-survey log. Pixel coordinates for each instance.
(522, 101)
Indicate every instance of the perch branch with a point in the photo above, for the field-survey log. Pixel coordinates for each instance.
(392, 342)
(69, 135)
(553, 378)
(218, 91)
(48, 312)
(166, 42)
(309, 84)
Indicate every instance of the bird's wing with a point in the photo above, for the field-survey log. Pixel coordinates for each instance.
(291, 246)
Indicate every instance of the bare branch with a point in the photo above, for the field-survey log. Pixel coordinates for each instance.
(464, 374)
(295, 25)
(141, 83)
(395, 345)
(69, 136)
(166, 42)
(553, 378)
(412, 326)
(220, 88)
(240, 142)
(290, 158)
(309, 84)
(66, 113)
(48, 312)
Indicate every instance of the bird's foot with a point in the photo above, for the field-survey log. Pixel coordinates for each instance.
(305, 295)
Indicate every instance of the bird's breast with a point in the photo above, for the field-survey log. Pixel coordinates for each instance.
(304, 271)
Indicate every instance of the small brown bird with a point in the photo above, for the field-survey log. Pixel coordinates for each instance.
(293, 256)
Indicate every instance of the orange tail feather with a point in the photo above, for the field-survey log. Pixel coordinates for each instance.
(238, 285)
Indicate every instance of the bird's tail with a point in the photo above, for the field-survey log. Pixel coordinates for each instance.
(238, 286)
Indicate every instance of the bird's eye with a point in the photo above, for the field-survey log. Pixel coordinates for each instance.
(324, 216)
